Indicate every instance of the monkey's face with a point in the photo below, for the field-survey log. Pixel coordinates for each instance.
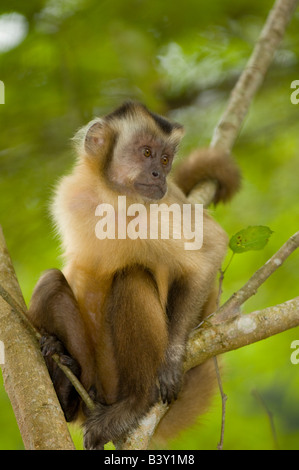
(140, 166)
(134, 149)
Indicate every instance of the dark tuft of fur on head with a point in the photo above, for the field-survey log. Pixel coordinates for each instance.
(125, 110)
(131, 108)
(166, 126)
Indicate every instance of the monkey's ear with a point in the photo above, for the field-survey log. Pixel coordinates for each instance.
(93, 139)
(178, 133)
(176, 136)
(97, 137)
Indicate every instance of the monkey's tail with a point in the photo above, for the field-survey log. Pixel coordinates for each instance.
(111, 422)
(205, 164)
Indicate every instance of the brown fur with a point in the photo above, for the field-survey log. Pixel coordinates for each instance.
(195, 397)
(125, 307)
(209, 164)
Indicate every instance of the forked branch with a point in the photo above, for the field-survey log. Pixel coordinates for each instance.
(26, 379)
(233, 332)
(225, 135)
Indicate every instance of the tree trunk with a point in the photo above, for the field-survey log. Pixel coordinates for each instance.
(26, 379)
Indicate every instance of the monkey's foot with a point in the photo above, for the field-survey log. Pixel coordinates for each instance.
(170, 378)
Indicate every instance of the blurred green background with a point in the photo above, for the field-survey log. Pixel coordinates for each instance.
(64, 62)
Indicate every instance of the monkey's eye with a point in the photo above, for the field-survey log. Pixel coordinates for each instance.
(146, 152)
(164, 160)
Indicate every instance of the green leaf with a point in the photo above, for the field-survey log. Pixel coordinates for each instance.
(251, 238)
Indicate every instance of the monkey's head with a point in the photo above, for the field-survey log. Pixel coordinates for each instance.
(134, 149)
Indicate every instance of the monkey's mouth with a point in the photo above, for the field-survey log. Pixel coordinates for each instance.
(151, 191)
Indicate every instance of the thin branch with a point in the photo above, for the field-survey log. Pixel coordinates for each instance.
(269, 413)
(75, 382)
(67, 371)
(223, 402)
(228, 128)
(231, 307)
(222, 394)
(72, 378)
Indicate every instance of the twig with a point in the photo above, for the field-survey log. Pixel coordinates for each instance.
(269, 413)
(221, 278)
(222, 394)
(72, 378)
(223, 403)
(75, 382)
(231, 307)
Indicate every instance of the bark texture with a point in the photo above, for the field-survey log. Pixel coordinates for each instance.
(26, 379)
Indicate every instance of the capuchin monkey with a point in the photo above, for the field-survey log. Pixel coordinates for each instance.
(121, 311)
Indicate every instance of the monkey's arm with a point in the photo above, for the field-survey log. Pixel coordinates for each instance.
(205, 164)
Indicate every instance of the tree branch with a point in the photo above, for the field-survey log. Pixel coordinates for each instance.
(67, 371)
(213, 340)
(241, 331)
(232, 332)
(26, 379)
(34, 401)
(228, 128)
(231, 307)
(225, 134)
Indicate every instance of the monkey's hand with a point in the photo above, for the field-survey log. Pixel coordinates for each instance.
(170, 377)
(67, 395)
(50, 345)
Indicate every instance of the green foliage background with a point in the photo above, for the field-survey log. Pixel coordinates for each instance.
(81, 58)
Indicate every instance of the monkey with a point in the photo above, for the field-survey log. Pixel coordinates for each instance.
(121, 310)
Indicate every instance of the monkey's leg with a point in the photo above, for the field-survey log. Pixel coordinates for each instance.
(139, 333)
(138, 327)
(195, 397)
(185, 300)
(54, 311)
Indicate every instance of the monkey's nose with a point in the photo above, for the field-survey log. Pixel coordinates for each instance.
(155, 174)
